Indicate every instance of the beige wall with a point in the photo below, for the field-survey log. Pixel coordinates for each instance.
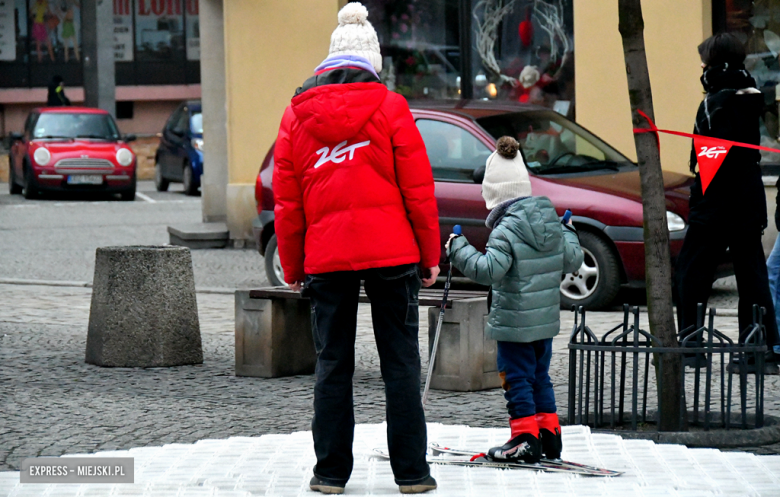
(673, 30)
(271, 47)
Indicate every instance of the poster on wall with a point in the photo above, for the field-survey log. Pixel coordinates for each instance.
(7, 30)
(159, 30)
(193, 30)
(55, 30)
(123, 30)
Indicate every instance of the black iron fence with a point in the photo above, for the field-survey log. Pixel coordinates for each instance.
(612, 384)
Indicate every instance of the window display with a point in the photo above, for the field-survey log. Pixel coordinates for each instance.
(154, 42)
(520, 50)
(159, 30)
(419, 42)
(524, 51)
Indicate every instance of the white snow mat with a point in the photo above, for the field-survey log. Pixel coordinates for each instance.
(280, 465)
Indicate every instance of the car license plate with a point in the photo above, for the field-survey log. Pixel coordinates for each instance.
(85, 179)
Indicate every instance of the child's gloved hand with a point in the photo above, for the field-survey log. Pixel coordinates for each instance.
(449, 242)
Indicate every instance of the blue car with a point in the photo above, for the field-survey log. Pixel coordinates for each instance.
(179, 157)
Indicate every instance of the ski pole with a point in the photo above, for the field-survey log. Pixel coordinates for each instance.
(457, 230)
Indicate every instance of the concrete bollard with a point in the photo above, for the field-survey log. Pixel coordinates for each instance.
(466, 360)
(144, 312)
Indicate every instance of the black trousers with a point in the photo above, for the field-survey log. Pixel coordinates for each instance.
(394, 310)
(702, 250)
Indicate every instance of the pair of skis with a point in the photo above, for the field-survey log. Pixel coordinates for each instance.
(438, 454)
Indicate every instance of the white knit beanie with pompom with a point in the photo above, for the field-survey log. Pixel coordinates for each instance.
(356, 36)
(506, 177)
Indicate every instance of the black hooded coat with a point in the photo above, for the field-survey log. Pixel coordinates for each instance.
(731, 111)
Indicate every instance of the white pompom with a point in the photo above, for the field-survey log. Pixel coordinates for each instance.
(353, 13)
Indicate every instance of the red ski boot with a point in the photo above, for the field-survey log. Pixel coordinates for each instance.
(523, 446)
(549, 435)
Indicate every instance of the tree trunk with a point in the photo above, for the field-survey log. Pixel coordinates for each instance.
(658, 266)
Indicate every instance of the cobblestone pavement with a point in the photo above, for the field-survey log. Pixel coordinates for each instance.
(54, 403)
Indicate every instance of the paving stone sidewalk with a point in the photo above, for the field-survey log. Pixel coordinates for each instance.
(53, 403)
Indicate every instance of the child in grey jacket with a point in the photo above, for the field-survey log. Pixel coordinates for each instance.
(527, 253)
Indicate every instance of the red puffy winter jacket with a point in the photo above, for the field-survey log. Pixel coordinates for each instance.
(352, 182)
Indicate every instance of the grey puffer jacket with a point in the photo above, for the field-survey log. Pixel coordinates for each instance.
(528, 251)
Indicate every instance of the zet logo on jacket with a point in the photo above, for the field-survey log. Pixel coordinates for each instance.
(339, 153)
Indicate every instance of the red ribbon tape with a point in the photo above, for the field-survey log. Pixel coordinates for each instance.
(719, 141)
(710, 152)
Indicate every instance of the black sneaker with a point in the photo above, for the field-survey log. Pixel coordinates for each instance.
(326, 488)
(418, 488)
(523, 448)
(551, 443)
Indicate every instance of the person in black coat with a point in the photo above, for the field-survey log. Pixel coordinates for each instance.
(731, 215)
(56, 97)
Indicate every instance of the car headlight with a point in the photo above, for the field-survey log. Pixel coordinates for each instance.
(124, 157)
(674, 222)
(197, 144)
(42, 156)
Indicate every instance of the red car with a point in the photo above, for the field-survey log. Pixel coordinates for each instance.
(567, 163)
(71, 149)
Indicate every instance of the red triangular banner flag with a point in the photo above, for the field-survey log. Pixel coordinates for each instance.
(710, 155)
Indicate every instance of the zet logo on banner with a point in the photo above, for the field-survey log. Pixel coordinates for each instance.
(710, 156)
(713, 152)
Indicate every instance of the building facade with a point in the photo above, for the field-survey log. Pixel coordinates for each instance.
(156, 53)
(251, 55)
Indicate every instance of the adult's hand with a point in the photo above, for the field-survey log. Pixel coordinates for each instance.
(297, 286)
(429, 276)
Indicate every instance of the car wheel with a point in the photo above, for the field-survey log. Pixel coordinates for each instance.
(29, 191)
(160, 183)
(188, 175)
(13, 187)
(597, 282)
(129, 194)
(273, 265)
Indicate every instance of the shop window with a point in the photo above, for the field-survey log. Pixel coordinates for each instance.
(757, 25)
(420, 45)
(520, 50)
(159, 30)
(155, 42)
(124, 110)
(524, 51)
(454, 152)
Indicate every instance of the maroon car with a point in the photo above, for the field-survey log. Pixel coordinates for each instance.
(567, 163)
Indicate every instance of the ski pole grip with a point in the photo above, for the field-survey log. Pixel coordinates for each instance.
(566, 216)
(457, 229)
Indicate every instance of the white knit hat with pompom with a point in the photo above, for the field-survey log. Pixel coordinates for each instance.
(356, 36)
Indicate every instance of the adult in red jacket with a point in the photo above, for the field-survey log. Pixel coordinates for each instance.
(355, 201)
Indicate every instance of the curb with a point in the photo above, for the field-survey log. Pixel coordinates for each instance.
(87, 284)
(718, 438)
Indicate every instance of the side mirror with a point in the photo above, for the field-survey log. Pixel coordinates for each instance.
(130, 138)
(478, 175)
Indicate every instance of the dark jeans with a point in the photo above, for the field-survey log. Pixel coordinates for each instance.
(703, 248)
(394, 310)
(525, 372)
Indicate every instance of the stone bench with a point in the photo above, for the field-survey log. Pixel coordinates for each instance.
(273, 337)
